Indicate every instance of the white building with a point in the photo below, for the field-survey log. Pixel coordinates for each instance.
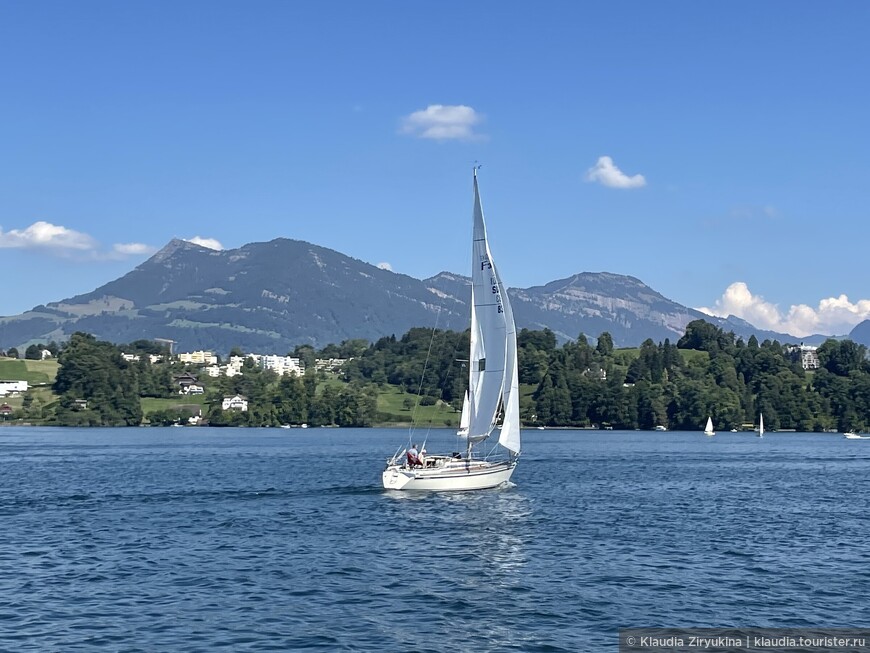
(134, 358)
(329, 364)
(12, 387)
(237, 402)
(281, 365)
(192, 390)
(213, 370)
(808, 356)
(198, 358)
(234, 367)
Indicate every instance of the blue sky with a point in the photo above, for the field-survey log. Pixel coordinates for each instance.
(700, 147)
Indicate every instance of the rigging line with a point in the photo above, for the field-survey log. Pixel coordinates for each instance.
(447, 376)
(423, 376)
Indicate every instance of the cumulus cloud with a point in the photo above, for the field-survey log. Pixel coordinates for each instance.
(211, 243)
(62, 241)
(833, 316)
(443, 122)
(606, 173)
(385, 266)
(44, 235)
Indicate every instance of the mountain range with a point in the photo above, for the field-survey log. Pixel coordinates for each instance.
(269, 297)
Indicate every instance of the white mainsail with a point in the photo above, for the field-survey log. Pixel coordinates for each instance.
(708, 430)
(761, 425)
(488, 330)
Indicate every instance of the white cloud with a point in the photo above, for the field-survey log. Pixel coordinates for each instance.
(61, 241)
(44, 235)
(442, 122)
(607, 174)
(385, 266)
(833, 316)
(211, 243)
(132, 249)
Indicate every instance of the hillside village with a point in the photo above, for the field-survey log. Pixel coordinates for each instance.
(193, 374)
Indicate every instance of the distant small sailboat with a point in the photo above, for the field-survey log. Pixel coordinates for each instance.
(708, 430)
(760, 425)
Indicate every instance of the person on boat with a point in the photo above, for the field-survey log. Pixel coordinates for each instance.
(413, 456)
(421, 457)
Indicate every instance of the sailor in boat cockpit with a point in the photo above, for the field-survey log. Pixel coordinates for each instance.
(413, 457)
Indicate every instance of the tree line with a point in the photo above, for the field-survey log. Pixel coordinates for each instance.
(707, 372)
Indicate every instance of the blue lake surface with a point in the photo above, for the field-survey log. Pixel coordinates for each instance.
(202, 539)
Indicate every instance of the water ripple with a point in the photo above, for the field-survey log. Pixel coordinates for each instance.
(242, 540)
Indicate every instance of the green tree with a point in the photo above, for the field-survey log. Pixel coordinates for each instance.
(605, 344)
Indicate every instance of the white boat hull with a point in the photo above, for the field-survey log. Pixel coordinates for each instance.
(454, 476)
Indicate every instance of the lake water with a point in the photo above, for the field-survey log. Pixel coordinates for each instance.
(283, 540)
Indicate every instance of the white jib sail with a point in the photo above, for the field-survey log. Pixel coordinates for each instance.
(463, 419)
(760, 424)
(509, 437)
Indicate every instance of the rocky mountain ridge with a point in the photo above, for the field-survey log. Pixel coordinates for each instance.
(274, 295)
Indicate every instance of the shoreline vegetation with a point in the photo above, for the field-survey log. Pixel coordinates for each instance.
(418, 380)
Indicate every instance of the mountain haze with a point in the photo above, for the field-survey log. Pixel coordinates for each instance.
(272, 296)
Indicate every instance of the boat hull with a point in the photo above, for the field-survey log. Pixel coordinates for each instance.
(451, 478)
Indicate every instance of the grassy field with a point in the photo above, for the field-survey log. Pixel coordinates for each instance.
(625, 356)
(392, 400)
(690, 355)
(41, 396)
(150, 404)
(33, 372)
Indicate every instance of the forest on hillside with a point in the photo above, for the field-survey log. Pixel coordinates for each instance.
(707, 372)
(675, 385)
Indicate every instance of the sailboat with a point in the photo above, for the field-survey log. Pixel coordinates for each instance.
(760, 425)
(493, 388)
(708, 430)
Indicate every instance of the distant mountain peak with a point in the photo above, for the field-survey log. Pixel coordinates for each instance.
(173, 247)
